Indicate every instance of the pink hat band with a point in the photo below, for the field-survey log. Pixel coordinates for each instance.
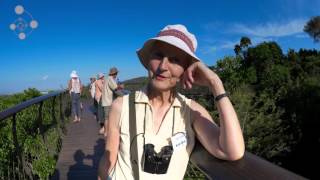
(178, 34)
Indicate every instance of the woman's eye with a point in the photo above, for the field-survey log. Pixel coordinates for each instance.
(174, 60)
(157, 55)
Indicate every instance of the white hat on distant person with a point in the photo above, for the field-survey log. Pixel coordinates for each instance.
(175, 35)
(74, 74)
(100, 75)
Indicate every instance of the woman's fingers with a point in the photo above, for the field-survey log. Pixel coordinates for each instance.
(185, 81)
(189, 84)
(190, 76)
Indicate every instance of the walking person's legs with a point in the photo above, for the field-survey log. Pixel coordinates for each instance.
(78, 106)
(74, 106)
(95, 108)
(101, 117)
(106, 117)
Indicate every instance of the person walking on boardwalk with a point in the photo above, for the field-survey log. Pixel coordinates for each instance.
(92, 90)
(109, 87)
(159, 134)
(99, 89)
(75, 89)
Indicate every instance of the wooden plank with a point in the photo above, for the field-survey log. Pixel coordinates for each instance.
(82, 149)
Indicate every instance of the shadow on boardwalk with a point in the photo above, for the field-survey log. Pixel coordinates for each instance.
(81, 150)
(80, 170)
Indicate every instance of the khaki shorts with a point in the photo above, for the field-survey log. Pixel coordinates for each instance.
(106, 110)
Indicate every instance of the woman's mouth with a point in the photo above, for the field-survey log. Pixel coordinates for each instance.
(160, 77)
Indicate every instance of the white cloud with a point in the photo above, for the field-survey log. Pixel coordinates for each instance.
(270, 29)
(207, 49)
(301, 36)
(45, 77)
(228, 44)
(257, 40)
(231, 44)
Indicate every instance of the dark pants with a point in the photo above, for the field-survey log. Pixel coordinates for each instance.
(95, 106)
(100, 113)
(75, 97)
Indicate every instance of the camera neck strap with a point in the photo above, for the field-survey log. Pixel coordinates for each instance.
(133, 132)
(144, 126)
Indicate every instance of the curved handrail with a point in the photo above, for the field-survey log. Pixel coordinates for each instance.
(13, 110)
(18, 162)
(249, 167)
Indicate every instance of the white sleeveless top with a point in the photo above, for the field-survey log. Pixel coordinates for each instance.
(180, 157)
(75, 86)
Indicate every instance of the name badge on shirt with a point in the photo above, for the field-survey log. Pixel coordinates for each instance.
(179, 141)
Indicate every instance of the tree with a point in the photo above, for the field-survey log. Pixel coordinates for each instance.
(313, 28)
(245, 42)
(237, 49)
(243, 47)
(229, 70)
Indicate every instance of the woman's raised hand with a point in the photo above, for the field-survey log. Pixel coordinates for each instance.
(199, 74)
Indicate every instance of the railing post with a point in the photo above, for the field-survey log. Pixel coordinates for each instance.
(17, 152)
(61, 109)
(41, 130)
(54, 119)
(62, 113)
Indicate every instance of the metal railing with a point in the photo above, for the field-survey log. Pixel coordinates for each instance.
(31, 136)
(249, 167)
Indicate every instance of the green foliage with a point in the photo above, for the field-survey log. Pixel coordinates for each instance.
(38, 136)
(237, 49)
(229, 70)
(313, 28)
(241, 49)
(276, 97)
(9, 101)
(43, 163)
(263, 57)
(245, 42)
(192, 173)
(136, 83)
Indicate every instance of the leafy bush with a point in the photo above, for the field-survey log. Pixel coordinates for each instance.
(38, 135)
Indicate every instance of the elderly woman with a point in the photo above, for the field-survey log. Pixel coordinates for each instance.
(166, 122)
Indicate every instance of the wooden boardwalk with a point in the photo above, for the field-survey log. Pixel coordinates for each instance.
(82, 148)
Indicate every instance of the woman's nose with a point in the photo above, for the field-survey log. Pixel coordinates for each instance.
(164, 63)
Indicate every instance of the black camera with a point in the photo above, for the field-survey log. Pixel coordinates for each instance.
(156, 163)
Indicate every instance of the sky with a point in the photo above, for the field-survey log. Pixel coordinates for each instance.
(91, 36)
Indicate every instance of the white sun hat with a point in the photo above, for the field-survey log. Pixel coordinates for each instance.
(74, 74)
(175, 35)
(100, 75)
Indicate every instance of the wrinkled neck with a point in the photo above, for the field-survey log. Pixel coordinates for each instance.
(160, 98)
